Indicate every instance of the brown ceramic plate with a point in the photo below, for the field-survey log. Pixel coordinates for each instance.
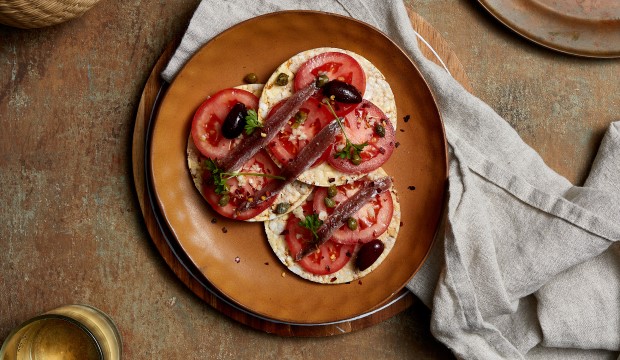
(580, 27)
(235, 256)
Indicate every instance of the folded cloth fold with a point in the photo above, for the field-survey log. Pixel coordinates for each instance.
(525, 265)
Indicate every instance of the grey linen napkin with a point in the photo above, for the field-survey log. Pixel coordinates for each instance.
(528, 265)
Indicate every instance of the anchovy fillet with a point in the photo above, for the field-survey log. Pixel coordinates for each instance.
(345, 210)
(291, 171)
(262, 136)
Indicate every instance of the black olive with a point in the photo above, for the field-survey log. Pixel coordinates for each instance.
(368, 254)
(342, 92)
(235, 121)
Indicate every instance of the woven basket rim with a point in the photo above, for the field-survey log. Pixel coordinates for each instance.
(41, 13)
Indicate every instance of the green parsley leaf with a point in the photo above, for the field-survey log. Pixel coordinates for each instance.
(312, 223)
(211, 165)
(251, 122)
(216, 176)
(350, 150)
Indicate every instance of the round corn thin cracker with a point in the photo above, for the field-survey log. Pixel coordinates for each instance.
(293, 194)
(277, 241)
(378, 91)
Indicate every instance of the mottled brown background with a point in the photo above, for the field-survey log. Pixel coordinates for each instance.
(71, 230)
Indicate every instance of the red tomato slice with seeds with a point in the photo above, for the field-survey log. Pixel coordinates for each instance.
(335, 65)
(373, 218)
(294, 136)
(360, 128)
(208, 119)
(330, 256)
(242, 188)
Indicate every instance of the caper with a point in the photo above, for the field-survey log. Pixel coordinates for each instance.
(321, 80)
(282, 208)
(224, 199)
(300, 118)
(330, 203)
(356, 159)
(332, 191)
(251, 78)
(282, 79)
(380, 130)
(352, 223)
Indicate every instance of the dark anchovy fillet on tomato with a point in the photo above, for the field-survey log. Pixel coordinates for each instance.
(345, 210)
(292, 194)
(301, 68)
(366, 224)
(306, 157)
(333, 263)
(312, 116)
(262, 136)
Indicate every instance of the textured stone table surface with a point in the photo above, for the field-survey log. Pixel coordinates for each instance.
(71, 230)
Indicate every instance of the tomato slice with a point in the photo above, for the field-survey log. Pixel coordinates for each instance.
(330, 256)
(208, 119)
(360, 128)
(335, 65)
(373, 218)
(293, 136)
(241, 188)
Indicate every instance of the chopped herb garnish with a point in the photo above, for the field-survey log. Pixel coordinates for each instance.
(350, 150)
(219, 177)
(216, 174)
(251, 122)
(312, 223)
